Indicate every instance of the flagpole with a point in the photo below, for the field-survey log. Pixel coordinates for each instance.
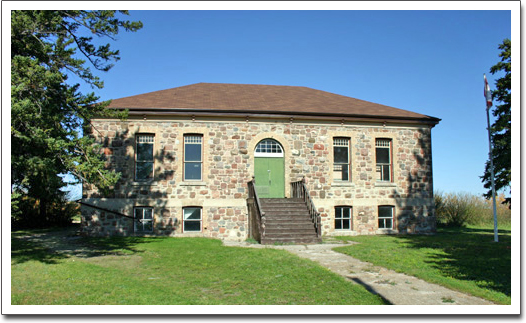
(492, 173)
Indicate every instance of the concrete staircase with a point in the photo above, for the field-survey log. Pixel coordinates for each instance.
(287, 221)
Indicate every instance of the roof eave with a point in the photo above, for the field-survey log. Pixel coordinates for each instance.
(283, 114)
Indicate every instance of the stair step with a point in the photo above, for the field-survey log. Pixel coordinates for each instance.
(276, 206)
(273, 230)
(285, 200)
(290, 225)
(287, 215)
(284, 207)
(284, 214)
(287, 221)
(275, 233)
(291, 204)
(290, 237)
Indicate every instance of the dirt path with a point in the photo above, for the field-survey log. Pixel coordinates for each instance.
(396, 288)
(63, 241)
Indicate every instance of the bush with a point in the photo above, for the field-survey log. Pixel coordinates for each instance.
(459, 209)
(25, 213)
(453, 210)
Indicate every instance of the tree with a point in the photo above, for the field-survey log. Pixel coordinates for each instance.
(48, 114)
(501, 127)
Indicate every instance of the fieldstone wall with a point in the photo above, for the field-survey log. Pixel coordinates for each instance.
(228, 164)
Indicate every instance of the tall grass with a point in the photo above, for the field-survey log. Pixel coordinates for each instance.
(461, 209)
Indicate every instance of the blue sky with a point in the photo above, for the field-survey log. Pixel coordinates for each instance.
(430, 62)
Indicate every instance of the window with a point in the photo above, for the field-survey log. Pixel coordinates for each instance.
(144, 157)
(143, 219)
(342, 160)
(385, 217)
(193, 157)
(383, 159)
(192, 219)
(268, 148)
(343, 218)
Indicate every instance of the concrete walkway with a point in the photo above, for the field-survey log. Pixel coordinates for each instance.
(396, 288)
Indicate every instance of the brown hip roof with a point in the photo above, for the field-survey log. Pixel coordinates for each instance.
(261, 99)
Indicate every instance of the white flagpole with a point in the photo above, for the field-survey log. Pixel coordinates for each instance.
(487, 95)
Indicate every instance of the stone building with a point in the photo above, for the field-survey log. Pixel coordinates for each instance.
(192, 157)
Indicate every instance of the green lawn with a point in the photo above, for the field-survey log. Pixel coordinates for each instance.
(465, 259)
(173, 271)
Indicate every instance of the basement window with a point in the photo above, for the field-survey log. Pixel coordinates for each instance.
(143, 219)
(192, 219)
(385, 217)
(343, 218)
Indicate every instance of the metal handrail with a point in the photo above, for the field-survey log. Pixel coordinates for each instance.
(299, 190)
(260, 215)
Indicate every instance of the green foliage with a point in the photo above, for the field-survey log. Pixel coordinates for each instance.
(29, 215)
(453, 209)
(461, 209)
(501, 128)
(15, 204)
(48, 114)
(463, 259)
(174, 271)
(252, 241)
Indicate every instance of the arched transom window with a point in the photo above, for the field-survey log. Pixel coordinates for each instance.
(268, 148)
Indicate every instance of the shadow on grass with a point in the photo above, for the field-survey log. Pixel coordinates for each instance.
(50, 246)
(469, 254)
(96, 247)
(23, 251)
(370, 289)
(473, 230)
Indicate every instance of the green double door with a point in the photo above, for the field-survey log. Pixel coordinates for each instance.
(269, 174)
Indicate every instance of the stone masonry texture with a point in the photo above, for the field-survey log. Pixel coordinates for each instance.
(228, 164)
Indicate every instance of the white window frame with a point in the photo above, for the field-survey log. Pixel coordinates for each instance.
(339, 217)
(384, 143)
(382, 219)
(141, 221)
(142, 139)
(192, 139)
(268, 148)
(200, 218)
(342, 142)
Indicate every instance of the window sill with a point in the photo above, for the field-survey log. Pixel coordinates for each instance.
(385, 184)
(342, 184)
(196, 183)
